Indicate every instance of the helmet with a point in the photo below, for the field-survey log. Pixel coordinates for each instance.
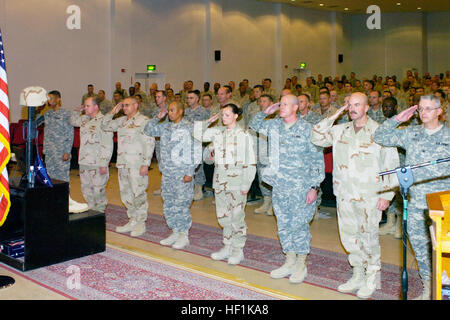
(33, 97)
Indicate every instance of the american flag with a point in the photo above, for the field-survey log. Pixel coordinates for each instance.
(5, 151)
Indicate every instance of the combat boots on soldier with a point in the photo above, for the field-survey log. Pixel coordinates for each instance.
(355, 282)
(223, 253)
(300, 270)
(287, 268)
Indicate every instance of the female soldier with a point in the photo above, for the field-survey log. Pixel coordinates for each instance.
(232, 152)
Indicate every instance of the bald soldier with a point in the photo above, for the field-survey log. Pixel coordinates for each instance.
(295, 171)
(361, 194)
(134, 154)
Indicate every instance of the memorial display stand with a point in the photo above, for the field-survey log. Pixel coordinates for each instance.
(40, 216)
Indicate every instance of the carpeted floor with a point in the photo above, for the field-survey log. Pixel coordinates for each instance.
(326, 269)
(119, 275)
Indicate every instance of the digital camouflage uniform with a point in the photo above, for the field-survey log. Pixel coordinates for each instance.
(153, 115)
(295, 165)
(357, 160)
(376, 115)
(177, 160)
(234, 171)
(134, 149)
(96, 147)
(198, 114)
(420, 147)
(58, 139)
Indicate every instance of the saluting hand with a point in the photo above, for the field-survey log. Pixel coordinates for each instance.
(340, 111)
(272, 108)
(162, 113)
(213, 118)
(187, 178)
(405, 115)
(116, 108)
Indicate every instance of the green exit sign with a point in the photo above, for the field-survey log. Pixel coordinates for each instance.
(151, 67)
(302, 65)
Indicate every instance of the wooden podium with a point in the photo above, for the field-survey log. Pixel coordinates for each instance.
(439, 207)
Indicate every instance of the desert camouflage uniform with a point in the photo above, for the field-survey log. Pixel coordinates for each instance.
(357, 160)
(234, 171)
(58, 139)
(420, 147)
(134, 149)
(177, 160)
(96, 147)
(295, 165)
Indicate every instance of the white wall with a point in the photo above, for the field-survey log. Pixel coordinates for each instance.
(40, 50)
(390, 50)
(438, 42)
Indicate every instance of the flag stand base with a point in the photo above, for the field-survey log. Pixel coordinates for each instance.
(6, 282)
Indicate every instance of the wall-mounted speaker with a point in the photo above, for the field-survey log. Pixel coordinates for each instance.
(340, 58)
(217, 55)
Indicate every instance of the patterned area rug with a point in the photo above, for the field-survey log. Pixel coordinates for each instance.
(117, 275)
(326, 269)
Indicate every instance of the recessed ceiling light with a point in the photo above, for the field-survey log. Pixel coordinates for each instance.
(321, 4)
(419, 8)
(346, 9)
(399, 4)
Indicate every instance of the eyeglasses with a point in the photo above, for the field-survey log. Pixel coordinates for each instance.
(426, 109)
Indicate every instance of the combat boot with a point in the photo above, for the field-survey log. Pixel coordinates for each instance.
(138, 229)
(237, 255)
(300, 270)
(389, 226)
(369, 286)
(170, 240)
(223, 253)
(198, 192)
(355, 282)
(77, 207)
(127, 227)
(398, 228)
(286, 269)
(265, 206)
(182, 241)
(270, 211)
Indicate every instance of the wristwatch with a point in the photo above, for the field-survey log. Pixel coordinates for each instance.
(315, 188)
